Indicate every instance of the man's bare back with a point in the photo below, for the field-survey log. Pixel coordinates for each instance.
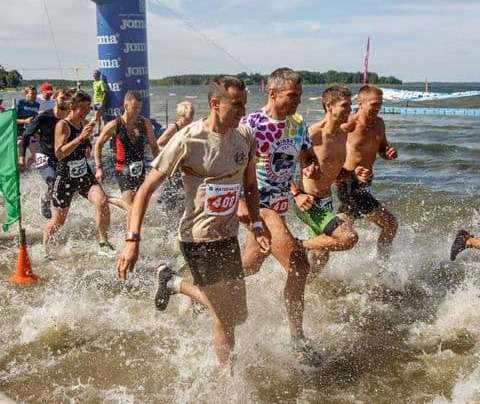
(330, 149)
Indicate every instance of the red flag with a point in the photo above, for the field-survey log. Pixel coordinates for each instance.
(365, 63)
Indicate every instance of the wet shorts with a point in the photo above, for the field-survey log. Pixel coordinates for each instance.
(214, 261)
(65, 187)
(356, 199)
(321, 218)
(128, 182)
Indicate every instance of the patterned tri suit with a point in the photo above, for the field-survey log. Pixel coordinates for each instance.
(73, 174)
(279, 142)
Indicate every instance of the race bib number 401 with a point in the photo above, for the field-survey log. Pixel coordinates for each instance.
(221, 200)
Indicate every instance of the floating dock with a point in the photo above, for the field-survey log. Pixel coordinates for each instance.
(431, 111)
(475, 112)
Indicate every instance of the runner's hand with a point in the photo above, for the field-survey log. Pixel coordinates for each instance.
(242, 212)
(29, 120)
(312, 171)
(87, 131)
(99, 174)
(262, 240)
(390, 153)
(127, 259)
(304, 201)
(21, 164)
(363, 174)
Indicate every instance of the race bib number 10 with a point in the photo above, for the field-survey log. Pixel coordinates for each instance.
(221, 200)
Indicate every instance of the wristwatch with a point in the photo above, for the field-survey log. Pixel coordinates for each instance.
(257, 225)
(132, 236)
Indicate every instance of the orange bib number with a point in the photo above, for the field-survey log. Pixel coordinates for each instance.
(221, 200)
(279, 204)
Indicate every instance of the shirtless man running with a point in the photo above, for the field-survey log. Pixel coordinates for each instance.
(366, 139)
(329, 143)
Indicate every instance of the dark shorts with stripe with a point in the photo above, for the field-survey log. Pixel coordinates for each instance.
(211, 262)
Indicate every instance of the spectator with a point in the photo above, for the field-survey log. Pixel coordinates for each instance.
(45, 98)
(100, 90)
(27, 109)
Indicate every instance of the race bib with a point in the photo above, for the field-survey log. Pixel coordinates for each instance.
(279, 203)
(77, 168)
(221, 200)
(41, 160)
(136, 168)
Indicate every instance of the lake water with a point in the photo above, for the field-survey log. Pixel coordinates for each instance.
(404, 331)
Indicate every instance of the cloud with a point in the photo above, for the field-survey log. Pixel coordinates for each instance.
(409, 39)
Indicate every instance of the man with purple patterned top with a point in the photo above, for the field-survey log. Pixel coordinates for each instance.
(282, 139)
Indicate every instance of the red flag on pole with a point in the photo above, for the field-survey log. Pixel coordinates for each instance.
(365, 63)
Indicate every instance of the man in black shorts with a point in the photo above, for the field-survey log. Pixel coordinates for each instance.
(129, 133)
(45, 160)
(366, 139)
(216, 157)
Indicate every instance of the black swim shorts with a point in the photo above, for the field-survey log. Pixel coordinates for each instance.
(211, 262)
(127, 182)
(356, 199)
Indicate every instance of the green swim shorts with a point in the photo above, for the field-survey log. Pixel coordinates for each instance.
(320, 218)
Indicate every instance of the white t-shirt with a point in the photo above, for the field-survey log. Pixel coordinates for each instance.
(45, 104)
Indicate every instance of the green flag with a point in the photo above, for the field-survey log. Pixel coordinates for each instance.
(9, 176)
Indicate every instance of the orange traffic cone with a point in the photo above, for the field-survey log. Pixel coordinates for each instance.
(23, 274)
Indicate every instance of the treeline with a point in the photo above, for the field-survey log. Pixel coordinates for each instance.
(9, 78)
(329, 77)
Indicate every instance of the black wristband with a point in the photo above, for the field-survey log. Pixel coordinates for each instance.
(176, 125)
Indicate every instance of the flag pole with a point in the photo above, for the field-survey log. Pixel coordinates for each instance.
(21, 231)
(365, 63)
(23, 274)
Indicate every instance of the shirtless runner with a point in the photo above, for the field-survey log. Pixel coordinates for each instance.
(366, 138)
(216, 157)
(329, 143)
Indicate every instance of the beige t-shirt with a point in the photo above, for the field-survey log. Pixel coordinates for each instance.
(212, 167)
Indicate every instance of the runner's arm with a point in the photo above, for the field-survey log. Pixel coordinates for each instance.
(30, 131)
(166, 135)
(386, 151)
(250, 188)
(151, 138)
(129, 255)
(64, 149)
(107, 132)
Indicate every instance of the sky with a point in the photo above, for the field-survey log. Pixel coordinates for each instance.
(410, 39)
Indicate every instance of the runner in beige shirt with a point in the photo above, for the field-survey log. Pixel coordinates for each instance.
(216, 158)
